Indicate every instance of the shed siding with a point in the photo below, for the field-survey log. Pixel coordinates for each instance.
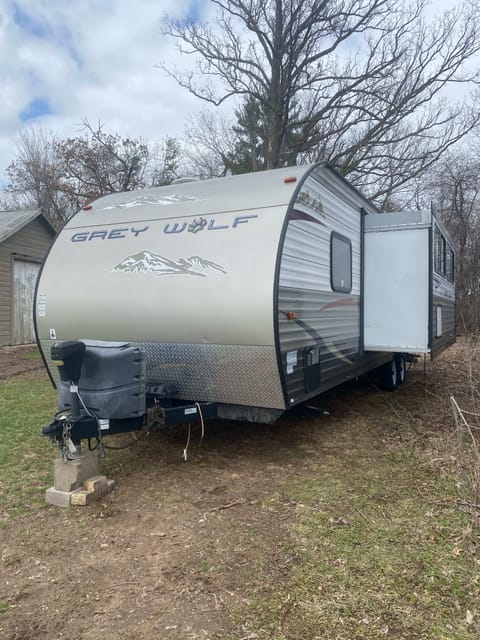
(30, 243)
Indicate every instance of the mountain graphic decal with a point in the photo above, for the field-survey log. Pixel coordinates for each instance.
(151, 199)
(148, 262)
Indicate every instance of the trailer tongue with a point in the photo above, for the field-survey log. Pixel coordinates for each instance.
(122, 403)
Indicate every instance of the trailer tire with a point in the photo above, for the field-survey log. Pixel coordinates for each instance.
(389, 375)
(401, 365)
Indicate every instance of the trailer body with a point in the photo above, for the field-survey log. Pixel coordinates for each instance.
(249, 293)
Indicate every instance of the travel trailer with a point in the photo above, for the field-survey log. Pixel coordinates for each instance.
(240, 298)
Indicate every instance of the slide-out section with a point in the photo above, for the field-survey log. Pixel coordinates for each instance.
(409, 297)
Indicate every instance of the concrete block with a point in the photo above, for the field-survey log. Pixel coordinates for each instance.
(70, 475)
(108, 488)
(82, 497)
(93, 489)
(59, 498)
(95, 483)
(76, 482)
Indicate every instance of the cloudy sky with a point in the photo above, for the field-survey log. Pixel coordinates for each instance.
(65, 60)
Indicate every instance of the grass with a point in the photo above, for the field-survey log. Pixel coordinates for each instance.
(30, 355)
(25, 455)
(4, 606)
(360, 536)
(375, 550)
(376, 544)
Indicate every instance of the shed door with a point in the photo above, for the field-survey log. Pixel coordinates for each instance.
(24, 278)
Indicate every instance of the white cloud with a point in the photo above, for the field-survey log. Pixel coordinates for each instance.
(92, 59)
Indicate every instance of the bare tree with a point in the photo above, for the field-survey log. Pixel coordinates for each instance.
(453, 186)
(164, 163)
(35, 176)
(251, 141)
(98, 162)
(209, 143)
(61, 175)
(362, 81)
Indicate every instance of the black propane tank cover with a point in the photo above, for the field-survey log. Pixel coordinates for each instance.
(68, 357)
(112, 384)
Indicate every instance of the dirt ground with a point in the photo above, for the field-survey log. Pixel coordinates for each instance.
(168, 554)
(13, 363)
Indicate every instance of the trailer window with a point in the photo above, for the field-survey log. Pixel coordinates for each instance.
(340, 263)
(439, 252)
(450, 265)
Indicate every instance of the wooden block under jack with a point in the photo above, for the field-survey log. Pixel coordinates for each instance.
(81, 498)
(95, 483)
(94, 489)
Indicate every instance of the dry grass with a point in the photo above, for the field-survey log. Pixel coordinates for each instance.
(353, 526)
(467, 433)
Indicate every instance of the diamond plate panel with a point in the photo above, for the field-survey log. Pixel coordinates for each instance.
(233, 374)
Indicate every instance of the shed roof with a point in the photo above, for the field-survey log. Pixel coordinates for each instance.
(13, 221)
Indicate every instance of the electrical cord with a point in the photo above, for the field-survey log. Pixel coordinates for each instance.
(202, 423)
(100, 446)
(119, 448)
(199, 408)
(185, 451)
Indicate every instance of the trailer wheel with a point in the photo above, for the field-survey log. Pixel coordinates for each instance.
(389, 375)
(401, 368)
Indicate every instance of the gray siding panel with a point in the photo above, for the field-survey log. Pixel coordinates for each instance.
(30, 243)
(443, 297)
(448, 334)
(326, 328)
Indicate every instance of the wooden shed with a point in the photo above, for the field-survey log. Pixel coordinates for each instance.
(25, 237)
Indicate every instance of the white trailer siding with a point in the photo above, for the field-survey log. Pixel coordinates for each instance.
(320, 345)
(409, 304)
(397, 291)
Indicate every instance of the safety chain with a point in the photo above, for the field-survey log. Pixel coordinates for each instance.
(66, 433)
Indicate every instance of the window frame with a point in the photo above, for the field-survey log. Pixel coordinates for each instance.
(440, 250)
(452, 264)
(443, 256)
(339, 289)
